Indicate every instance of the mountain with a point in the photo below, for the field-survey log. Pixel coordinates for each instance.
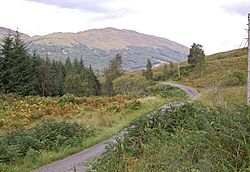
(98, 46)
(5, 31)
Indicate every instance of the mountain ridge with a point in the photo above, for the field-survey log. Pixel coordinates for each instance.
(98, 46)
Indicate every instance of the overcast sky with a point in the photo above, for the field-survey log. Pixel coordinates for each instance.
(218, 25)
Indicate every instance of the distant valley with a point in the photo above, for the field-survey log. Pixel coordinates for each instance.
(98, 46)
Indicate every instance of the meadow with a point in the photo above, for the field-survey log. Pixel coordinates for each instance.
(35, 131)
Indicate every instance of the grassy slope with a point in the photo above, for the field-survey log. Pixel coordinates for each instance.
(195, 150)
(105, 122)
(218, 65)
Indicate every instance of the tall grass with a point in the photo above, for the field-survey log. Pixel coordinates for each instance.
(190, 138)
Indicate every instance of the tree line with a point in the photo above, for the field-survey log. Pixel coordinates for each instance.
(25, 73)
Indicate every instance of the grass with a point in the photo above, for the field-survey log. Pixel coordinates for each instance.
(193, 137)
(217, 65)
(213, 136)
(106, 116)
(47, 157)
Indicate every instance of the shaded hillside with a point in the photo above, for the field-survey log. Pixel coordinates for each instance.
(98, 46)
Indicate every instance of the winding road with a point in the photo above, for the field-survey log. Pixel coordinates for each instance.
(75, 163)
(192, 93)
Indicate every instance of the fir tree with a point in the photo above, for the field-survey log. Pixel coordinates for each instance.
(148, 73)
(68, 66)
(94, 85)
(6, 55)
(22, 72)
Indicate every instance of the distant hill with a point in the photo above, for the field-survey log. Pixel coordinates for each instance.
(98, 46)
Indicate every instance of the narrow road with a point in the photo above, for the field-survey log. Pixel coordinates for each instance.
(75, 163)
(192, 93)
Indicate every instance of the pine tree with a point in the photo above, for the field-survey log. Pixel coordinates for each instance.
(36, 62)
(94, 85)
(24, 84)
(6, 55)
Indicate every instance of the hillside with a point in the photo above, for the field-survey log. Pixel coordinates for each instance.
(216, 86)
(98, 46)
(211, 134)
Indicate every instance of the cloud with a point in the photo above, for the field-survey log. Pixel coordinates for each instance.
(102, 9)
(95, 6)
(241, 8)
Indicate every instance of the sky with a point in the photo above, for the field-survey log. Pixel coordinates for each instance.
(218, 25)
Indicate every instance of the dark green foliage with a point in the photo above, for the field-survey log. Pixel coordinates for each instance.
(190, 137)
(44, 71)
(233, 79)
(25, 74)
(5, 58)
(135, 86)
(46, 136)
(113, 71)
(167, 92)
(132, 105)
(196, 57)
(80, 80)
(108, 87)
(148, 73)
(93, 83)
(75, 85)
(16, 69)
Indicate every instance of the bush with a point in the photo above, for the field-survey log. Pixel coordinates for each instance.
(69, 98)
(132, 105)
(191, 137)
(46, 136)
(159, 76)
(166, 91)
(232, 79)
(130, 85)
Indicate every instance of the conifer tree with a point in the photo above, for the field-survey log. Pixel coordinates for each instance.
(44, 71)
(16, 68)
(68, 66)
(23, 73)
(6, 55)
(113, 71)
(94, 85)
(148, 73)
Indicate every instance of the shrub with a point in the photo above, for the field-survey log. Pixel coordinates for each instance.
(46, 136)
(232, 79)
(132, 105)
(69, 98)
(159, 76)
(191, 137)
(130, 85)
